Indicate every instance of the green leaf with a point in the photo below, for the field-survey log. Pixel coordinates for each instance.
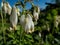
(28, 36)
(11, 36)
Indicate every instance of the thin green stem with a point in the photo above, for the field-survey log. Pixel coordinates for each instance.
(3, 28)
(20, 36)
(23, 37)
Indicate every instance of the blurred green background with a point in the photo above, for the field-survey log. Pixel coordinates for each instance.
(46, 32)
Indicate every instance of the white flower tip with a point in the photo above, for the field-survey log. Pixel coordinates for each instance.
(11, 28)
(40, 34)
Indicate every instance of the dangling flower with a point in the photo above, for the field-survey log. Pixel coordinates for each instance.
(29, 25)
(6, 7)
(18, 10)
(36, 14)
(14, 17)
(29, 16)
(22, 20)
(38, 10)
(9, 8)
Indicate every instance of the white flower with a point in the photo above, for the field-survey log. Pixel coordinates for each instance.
(36, 14)
(9, 8)
(22, 20)
(14, 17)
(2, 4)
(27, 23)
(6, 7)
(38, 10)
(39, 34)
(18, 10)
(29, 16)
